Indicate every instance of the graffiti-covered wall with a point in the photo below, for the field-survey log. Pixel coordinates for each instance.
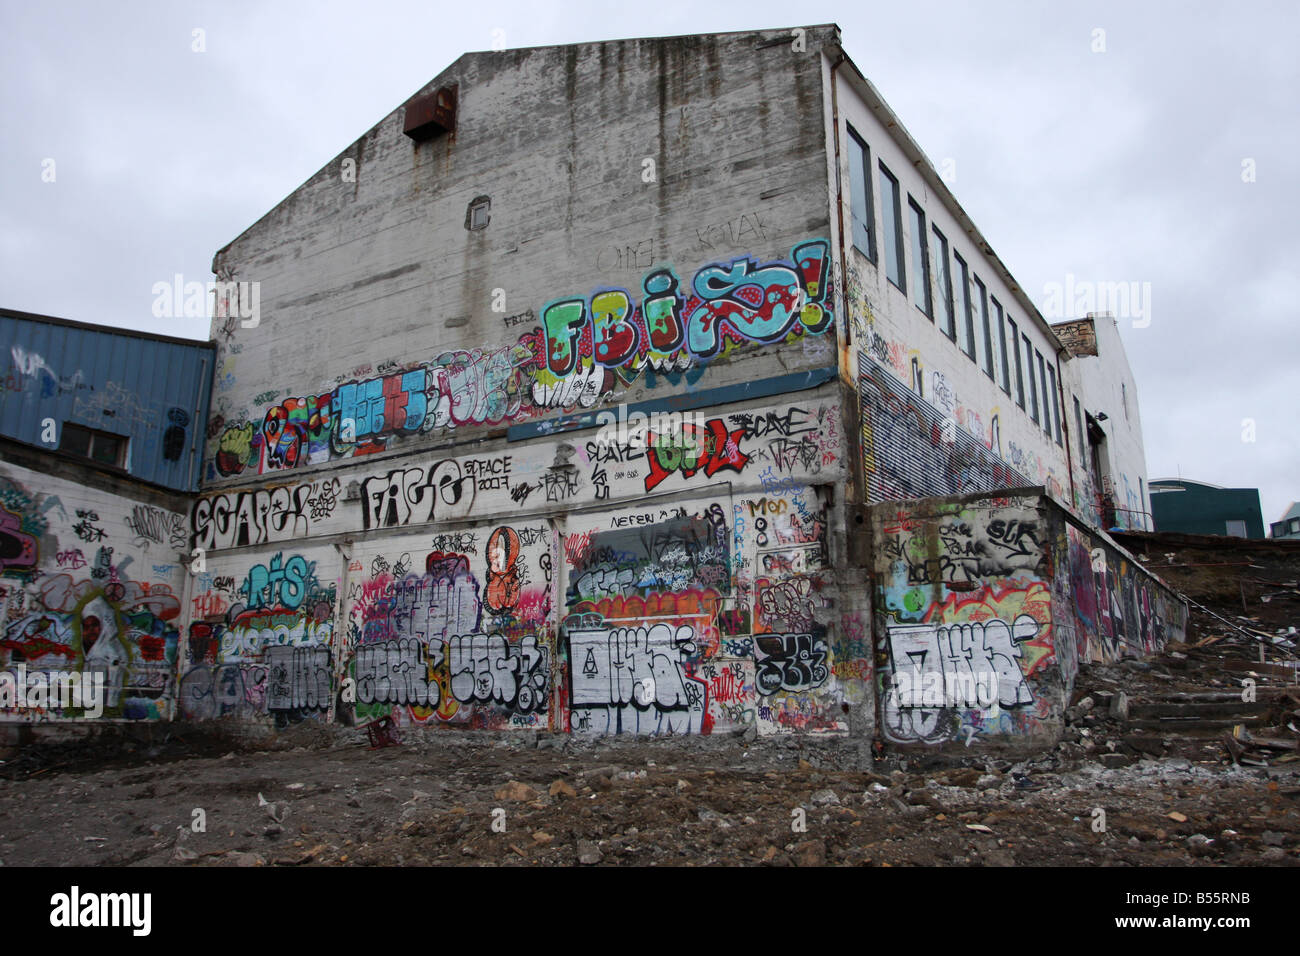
(703, 615)
(1117, 608)
(668, 573)
(455, 627)
(260, 638)
(910, 450)
(90, 599)
(985, 607)
(585, 349)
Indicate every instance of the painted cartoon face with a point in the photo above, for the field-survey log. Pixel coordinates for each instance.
(91, 627)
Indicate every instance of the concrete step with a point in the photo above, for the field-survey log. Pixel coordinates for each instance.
(1264, 693)
(1207, 708)
(1190, 725)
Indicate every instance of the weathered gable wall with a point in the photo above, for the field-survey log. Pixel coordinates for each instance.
(658, 222)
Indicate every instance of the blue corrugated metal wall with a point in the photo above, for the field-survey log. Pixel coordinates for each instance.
(154, 391)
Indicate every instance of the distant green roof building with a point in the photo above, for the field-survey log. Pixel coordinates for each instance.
(1194, 507)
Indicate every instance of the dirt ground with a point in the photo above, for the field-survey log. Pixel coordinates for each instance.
(1161, 764)
(435, 800)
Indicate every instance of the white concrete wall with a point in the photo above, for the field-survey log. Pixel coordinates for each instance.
(1106, 384)
(896, 334)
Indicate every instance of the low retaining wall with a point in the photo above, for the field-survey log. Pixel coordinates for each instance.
(986, 605)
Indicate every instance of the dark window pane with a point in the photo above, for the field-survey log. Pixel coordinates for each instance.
(1033, 380)
(969, 344)
(920, 261)
(1042, 383)
(947, 322)
(1020, 373)
(1079, 438)
(989, 355)
(106, 449)
(860, 204)
(1056, 405)
(75, 440)
(891, 209)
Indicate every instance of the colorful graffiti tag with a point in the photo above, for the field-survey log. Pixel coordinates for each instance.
(583, 349)
(260, 641)
(68, 616)
(466, 640)
(670, 630)
(987, 605)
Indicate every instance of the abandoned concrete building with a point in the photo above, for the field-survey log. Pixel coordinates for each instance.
(650, 386)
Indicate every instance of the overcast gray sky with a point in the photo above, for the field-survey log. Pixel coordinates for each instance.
(1123, 164)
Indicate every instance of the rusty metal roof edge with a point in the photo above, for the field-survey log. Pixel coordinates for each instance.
(106, 329)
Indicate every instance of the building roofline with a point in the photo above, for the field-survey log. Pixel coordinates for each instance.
(1192, 481)
(106, 329)
(1181, 481)
(510, 50)
(912, 150)
(680, 36)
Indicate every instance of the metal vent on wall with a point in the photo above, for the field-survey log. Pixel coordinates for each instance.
(431, 115)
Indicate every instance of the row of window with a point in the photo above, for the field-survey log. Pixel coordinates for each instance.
(984, 331)
(1279, 529)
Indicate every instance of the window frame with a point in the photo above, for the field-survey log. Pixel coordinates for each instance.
(478, 214)
(946, 280)
(1078, 423)
(990, 356)
(891, 201)
(866, 200)
(1005, 382)
(123, 443)
(1020, 373)
(1033, 379)
(921, 244)
(1056, 405)
(971, 353)
(1042, 381)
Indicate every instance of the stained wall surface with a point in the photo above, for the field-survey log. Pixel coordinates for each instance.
(578, 465)
(658, 224)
